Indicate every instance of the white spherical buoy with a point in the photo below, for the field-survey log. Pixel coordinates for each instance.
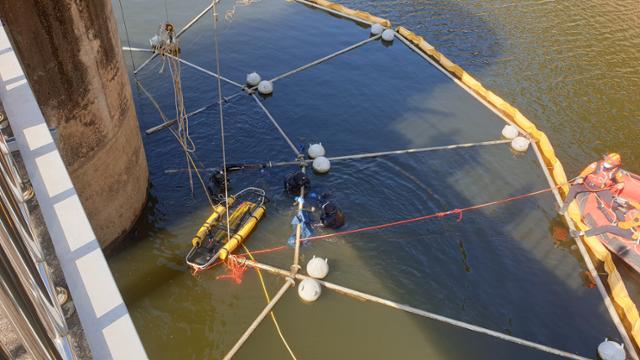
(520, 144)
(253, 79)
(510, 132)
(316, 150)
(265, 87)
(318, 268)
(321, 164)
(376, 29)
(309, 290)
(388, 35)
(610, 350)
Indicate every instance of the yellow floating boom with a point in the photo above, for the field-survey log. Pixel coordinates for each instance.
(243, 233)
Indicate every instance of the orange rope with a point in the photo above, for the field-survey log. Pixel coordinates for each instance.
(458, 212)
(235, 270)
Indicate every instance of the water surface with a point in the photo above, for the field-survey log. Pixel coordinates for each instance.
(499, 267)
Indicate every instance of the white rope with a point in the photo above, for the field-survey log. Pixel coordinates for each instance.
(275, 123)
(290, 282)
(214, 16)
(126, 31)
(392, 304)
(205, 71)
(185, 28)
(166, 11)
(182, 119)
(173, 132)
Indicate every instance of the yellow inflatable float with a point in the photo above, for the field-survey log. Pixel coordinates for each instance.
(220, 235)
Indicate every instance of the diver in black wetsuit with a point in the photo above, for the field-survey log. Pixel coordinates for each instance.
(294, 182)
(331, 215)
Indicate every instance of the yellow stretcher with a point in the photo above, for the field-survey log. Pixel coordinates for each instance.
(213, 242)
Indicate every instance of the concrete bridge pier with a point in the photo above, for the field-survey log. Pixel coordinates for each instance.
(71, 53)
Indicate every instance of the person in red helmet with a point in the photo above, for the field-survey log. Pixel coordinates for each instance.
(600, 177)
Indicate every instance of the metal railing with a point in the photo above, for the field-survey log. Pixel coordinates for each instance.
(27, 293)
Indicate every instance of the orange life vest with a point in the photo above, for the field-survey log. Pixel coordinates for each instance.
(601, 178)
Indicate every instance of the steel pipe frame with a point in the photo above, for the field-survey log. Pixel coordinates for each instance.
(18, 316)
(45, 303)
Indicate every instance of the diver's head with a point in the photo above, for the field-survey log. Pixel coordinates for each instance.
(329, 208)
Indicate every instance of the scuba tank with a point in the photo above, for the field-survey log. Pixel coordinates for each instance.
(217, 181)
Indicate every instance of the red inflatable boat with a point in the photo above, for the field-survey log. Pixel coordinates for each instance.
(595, 214)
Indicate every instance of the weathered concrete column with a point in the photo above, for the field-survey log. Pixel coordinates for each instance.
(73, 60)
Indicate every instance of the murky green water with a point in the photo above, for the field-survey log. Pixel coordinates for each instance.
(568, 66)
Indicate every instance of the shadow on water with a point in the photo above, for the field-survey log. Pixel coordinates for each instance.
(146, 226)
(497, 267)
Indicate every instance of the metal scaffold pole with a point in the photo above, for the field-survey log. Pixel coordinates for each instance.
(289, 283)
(406, 308)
